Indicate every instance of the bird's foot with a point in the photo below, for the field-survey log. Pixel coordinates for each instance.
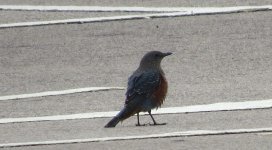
(149, 124)
(139, 125)
(158, 124)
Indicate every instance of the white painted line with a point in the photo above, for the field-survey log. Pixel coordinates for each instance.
(60, 117)
(150, 136)
(120, 9)
(88, 8)
(186, 12)
(224, 106)
(266, 133)
(54, 93)
(91, 20)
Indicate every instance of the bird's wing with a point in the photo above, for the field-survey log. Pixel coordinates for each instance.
(143, 84)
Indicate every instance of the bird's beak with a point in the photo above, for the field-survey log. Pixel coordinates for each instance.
(167, 54)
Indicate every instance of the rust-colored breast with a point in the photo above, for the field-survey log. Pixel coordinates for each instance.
(160, 94)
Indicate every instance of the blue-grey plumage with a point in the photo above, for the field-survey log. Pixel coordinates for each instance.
(146, 90)
(143, 84)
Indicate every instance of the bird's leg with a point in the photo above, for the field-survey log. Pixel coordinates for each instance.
(155, 123)
(138, 120)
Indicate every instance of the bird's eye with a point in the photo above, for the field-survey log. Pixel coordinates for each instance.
(157, 55)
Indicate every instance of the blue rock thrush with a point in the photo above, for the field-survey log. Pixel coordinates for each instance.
(146, 90)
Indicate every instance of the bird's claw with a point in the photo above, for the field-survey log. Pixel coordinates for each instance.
(138, 125)
(158, 124)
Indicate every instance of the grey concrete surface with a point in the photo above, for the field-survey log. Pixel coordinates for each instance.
(172, 3)
(94, 128)
(222, 142)
(216, 58)
(60, 105)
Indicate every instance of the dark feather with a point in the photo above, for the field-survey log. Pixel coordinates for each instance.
(144, 84)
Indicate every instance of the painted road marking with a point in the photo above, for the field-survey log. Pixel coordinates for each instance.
(224, 106)
(149, 136)
(91, 20)
(123, 9)
(88, 8)
(188, 12)
(54, 93)
(265, 133)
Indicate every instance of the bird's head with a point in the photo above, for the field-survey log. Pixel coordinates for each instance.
(153, 59)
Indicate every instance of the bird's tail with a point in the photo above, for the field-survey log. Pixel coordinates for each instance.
(122, 115)
(114, 121)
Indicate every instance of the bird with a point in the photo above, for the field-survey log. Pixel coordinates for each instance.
(146, 89)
